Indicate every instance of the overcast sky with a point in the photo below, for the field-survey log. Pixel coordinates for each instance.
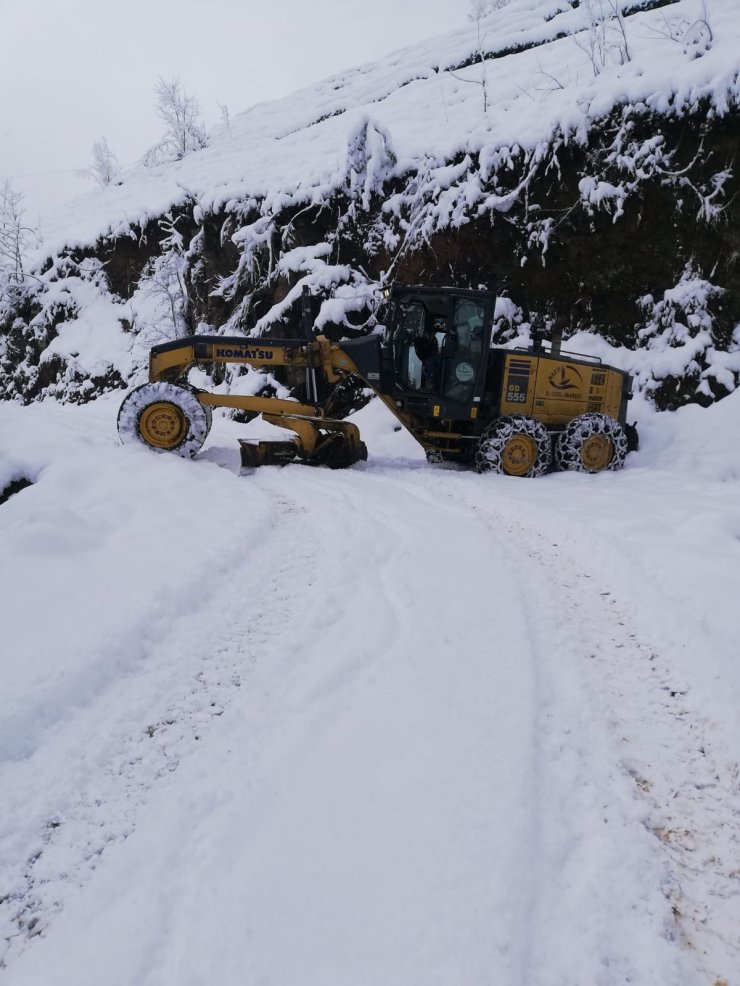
(72, 71)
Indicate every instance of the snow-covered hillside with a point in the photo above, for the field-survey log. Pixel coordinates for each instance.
(400, 724)
(581, 164)
(296, 147)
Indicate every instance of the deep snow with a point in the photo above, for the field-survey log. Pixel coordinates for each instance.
(399, 724)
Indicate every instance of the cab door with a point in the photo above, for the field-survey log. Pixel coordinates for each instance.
(463, 352)
(440, 345)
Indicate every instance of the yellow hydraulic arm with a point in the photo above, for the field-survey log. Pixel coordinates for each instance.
(315, 434)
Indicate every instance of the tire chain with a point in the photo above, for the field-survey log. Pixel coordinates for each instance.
(570, 441)
(494, 439)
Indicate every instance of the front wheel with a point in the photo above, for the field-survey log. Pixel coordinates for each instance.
(165, 417)
(516, 445)
(591, 443)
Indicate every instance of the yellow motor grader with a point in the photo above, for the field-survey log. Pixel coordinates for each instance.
(515, 411)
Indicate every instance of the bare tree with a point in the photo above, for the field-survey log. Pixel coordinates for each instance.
(167, 282)
(606, 38)
(15, 237)
(105, 168)
(184, 131)
(167, 285)
(478, 10)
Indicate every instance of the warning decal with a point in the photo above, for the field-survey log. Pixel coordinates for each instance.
(517, 382)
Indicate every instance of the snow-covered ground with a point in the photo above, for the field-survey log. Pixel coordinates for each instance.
(401, 724)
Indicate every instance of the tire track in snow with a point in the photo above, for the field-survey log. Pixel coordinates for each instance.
(451, 748)
(322, 689)
(192, 688)
(656, 749)
(583, 769)
(433, 580)
(692, 798)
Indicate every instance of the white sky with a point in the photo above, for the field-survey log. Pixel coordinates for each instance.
(72, 71)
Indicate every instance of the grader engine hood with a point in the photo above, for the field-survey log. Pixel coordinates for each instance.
(556, 389)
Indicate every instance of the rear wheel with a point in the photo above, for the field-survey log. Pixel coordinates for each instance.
(516, 445)
(591, 443)
(165, 417)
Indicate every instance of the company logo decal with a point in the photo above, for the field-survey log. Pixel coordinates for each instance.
(565, 377)
(223, 353)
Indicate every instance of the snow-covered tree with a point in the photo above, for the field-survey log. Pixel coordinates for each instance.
(105, 167)
(15, 237)
(225, 117)
(184, 130)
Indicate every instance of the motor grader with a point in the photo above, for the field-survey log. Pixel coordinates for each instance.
(515, 411)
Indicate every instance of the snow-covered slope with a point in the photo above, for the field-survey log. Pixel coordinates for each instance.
(431, 108)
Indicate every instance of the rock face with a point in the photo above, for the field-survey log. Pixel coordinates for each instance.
(629, 233)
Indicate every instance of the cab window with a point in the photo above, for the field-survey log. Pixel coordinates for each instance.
(466, 350)
(408, 338)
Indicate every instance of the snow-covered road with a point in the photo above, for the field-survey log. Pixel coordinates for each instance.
(398, 724)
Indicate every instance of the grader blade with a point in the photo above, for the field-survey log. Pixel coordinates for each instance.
(318, 442)
(254, 454)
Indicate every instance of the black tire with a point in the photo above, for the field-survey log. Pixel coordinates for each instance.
(591, 443)
(206, 407)
(164, 417)
(515, 445)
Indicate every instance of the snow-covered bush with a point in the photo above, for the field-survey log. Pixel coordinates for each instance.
(685, 356)
(605, 40)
